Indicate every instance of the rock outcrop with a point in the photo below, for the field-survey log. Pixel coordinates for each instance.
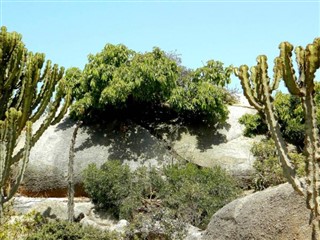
(85, 213)
(134, 145)
(47, 168)
(278, 213)
(226, 147)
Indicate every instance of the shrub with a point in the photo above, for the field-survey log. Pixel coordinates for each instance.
(267, 166)
(195, 193)
(56, 230)
(147, 187)
(109, 185)
(192, 194)
(254, 125)
(18, 226)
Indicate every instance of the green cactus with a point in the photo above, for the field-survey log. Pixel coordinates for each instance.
(22, 102)
(258, 89)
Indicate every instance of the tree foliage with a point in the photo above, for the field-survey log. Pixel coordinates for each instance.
(118, 79)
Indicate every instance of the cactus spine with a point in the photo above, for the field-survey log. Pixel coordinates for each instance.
(22, 103)
(258, 90)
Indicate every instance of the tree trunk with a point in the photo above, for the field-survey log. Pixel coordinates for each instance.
(71, 174)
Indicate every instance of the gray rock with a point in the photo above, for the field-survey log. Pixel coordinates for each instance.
(105, 223)
(54, 208)
(193, 233)
(134, 145)
(275, 213)
(226, 147)
(47, 168)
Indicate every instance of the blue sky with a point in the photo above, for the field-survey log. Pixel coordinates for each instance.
(234, 32)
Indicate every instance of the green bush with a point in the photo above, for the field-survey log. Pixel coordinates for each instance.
(254, 125)
(16, 226)
(58, 230)
(109, 185)
(192, 194)
(267, 166)
(195, 193)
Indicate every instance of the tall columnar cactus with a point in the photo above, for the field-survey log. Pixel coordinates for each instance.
(258, 89)
(29, 89)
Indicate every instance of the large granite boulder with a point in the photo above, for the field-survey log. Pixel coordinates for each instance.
(277, 213)
(226, 146)
(134, 145)
(46, 172)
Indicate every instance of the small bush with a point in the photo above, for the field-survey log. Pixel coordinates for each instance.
(19, 226)
(267, 165)
(254, 125)
(109, 185)
(57, 230)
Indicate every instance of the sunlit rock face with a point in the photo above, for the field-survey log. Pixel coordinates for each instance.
(46, 173)
(135, 145)
(226, 146)
(275, 213)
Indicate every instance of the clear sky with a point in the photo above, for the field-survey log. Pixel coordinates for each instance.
(234, 32)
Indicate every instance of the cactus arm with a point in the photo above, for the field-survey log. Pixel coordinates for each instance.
(274, 128)
(311, 60)
(44, 125)
(24, 163)
(55, 77)
(312, 55)
(288, 72)
(15, 69)
(243, 75)
(277, 74)
(44, 85)
(64, 109)
(21, 103)
(8, 140)
(312, 153)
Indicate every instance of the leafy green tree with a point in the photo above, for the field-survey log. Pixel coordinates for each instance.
(28, 85)
(120, 80)
(200, 93)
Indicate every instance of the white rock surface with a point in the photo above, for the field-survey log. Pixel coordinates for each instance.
(226, 147)
(134, 145)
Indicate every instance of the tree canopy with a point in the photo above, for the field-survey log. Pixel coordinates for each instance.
(118, 78)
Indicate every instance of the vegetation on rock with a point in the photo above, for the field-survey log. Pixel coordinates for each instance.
(118, 81)
(186, 192)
